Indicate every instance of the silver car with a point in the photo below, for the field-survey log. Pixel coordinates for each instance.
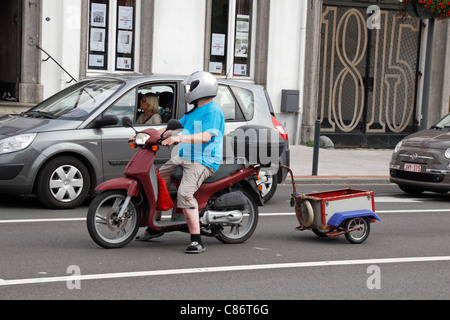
(64, 147)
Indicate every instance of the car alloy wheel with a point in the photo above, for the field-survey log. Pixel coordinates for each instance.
(63, 183)
(66, 183)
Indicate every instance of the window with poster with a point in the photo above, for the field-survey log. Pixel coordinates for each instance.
(112, 35)
(232, 38)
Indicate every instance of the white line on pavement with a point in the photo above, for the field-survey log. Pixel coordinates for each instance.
(42, 220)
(221, 269)
(267, 214)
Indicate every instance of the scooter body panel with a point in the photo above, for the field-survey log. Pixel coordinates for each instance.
(208, 189)
(131, 185)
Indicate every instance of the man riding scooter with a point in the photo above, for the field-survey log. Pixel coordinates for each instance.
(199, 154)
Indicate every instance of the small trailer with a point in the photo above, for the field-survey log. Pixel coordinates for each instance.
(348, 212)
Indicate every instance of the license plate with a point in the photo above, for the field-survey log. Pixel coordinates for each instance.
(413, 167)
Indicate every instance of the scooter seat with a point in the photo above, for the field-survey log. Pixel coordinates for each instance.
(224, 171)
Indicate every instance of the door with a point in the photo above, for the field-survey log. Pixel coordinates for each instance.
(10, 49)
(368, 76)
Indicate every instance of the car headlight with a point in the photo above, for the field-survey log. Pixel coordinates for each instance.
(447, 153)
(16, 143)
(398, 146)
(142, 138)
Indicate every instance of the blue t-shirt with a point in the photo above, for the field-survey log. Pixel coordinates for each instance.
(208, 118)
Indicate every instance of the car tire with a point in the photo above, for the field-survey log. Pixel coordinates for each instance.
(63, 183)
(269, 184)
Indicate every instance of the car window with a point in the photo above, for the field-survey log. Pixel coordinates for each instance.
(227, 103)
(165, 94)
(124, 107)
(246, 100)
(443, 123)
(78, 101)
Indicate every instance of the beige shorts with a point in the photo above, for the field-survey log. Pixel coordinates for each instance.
(193, 176)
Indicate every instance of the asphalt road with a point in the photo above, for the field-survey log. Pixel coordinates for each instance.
(406, 256)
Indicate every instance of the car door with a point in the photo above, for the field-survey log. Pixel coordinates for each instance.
(116, 151)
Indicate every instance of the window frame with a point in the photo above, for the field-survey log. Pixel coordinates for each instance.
(231, 42)
(111, 48)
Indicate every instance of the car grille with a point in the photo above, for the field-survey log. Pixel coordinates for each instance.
(414, 176)
(415, 158)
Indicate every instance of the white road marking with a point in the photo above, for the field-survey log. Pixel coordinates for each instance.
(262, 214)
(398, 200)
(154, 273)
(42, 220)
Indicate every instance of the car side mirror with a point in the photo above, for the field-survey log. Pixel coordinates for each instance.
(105, 121)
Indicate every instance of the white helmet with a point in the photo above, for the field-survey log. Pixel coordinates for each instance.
(202, 85)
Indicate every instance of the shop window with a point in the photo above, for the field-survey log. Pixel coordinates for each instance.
(232, 38)
(112, 35)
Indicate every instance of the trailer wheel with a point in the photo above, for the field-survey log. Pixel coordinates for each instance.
(362, 226)
(305, 214)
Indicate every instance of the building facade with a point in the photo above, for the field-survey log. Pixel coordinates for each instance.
(352, 64)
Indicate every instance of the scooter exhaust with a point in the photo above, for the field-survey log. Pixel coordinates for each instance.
(217, 217)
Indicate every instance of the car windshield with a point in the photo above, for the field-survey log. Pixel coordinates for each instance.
(444, 123)
(76, 102)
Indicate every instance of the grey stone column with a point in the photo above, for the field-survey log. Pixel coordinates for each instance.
(30, 88)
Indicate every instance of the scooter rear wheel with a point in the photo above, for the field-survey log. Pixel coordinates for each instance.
(234, 234)
(103, 224)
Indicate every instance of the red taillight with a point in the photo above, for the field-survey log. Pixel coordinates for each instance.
(279, 128)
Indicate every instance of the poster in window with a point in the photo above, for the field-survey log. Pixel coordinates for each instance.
(242, 36)
(124, 63)
(218, 44)
(97, 42)
(96, 61)
(243, 23)
(215, 67)
(240, 69)
(124, 41)
(125, 18)
(241, 47)
(98, 15)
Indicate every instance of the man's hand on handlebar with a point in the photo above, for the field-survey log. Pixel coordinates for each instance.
(171, 140)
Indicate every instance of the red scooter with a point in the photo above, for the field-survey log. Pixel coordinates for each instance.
(228, 201)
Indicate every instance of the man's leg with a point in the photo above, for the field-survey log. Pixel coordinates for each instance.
(193, 177)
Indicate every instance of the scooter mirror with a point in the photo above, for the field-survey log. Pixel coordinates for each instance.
(127, 123)
(173, 125)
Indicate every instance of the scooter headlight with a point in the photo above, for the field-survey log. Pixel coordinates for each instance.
(142, 138)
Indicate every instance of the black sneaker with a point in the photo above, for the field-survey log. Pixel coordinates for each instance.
(145, 236)
(195, 247)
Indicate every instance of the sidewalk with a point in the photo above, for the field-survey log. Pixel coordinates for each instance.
(340, 166)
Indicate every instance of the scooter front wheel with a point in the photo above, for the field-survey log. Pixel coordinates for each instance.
(103, 222)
